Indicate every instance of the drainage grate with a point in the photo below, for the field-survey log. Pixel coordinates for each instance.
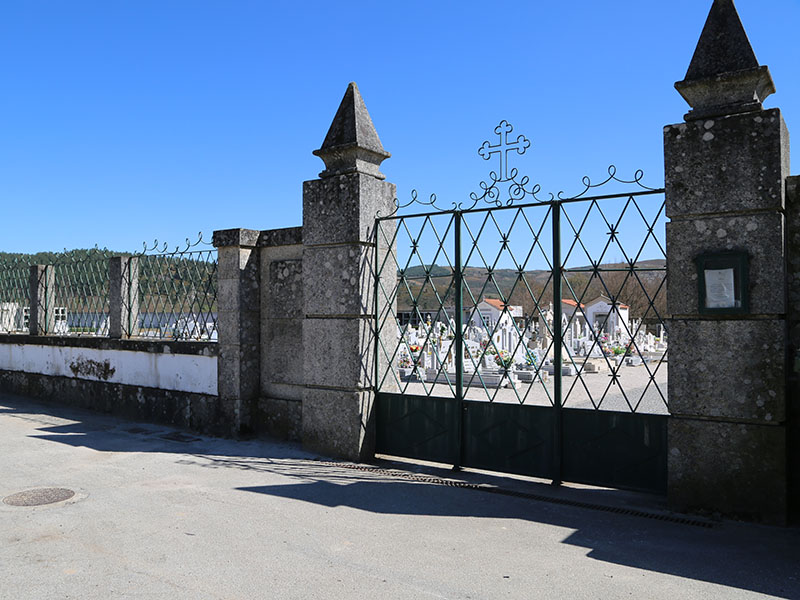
(517, 494)
(177, 436)
(39, 497)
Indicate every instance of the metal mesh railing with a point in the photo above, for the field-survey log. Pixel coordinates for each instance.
(161, 295)
(80, 302)
(14, 296)
(177, 294)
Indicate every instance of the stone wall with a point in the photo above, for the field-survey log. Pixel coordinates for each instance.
(173, 383)
(278, 410)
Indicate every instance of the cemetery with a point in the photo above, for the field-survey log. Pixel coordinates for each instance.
(549, 345)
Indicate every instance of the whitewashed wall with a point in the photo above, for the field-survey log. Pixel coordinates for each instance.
(180, 372)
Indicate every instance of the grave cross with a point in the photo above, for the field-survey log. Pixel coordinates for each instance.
(520, 145)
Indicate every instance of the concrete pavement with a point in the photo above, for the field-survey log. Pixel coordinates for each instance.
(198, 517)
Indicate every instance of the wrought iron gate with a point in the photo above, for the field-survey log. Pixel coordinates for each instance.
(478, 363)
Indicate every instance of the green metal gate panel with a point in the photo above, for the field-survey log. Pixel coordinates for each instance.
(425, 428)
(511, 438)
(615, 449)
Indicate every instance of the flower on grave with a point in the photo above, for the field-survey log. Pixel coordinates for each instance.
(617, 350)
(503, 359)
(414, 349)
(487, 347)
(405, 362)
(530, 359)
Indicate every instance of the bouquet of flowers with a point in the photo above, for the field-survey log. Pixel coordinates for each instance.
(503, 359)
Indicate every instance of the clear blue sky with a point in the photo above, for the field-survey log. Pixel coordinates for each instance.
(128, 121)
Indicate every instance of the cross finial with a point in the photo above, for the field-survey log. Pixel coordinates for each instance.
(521, 144)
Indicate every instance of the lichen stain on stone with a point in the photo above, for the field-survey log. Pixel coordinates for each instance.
(87, 367)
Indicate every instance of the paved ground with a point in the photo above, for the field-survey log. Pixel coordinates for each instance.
(155, 518)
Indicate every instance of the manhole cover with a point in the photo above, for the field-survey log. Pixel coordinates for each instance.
(39, 497)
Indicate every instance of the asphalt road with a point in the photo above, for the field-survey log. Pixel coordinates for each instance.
(211, 518)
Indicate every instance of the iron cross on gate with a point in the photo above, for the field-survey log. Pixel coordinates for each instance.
(520, 145)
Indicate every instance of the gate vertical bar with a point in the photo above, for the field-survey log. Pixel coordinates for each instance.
(558, 417)
(459, 302)
(376, 309)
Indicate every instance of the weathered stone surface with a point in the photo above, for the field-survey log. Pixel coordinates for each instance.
(724, 76)
(235, 237)
(287, 236)
(338, 280)
(352, 144)
(342, 209)
(283, 352)
(279, 418)
(735, 469)
(793, 249)
(285, 391)
(138, 345)
(761, 235)
(339, 353)
(723, 46)
(727, 93)
(238, 325)
(284, 294)
(733, 163)
(338, 423)
(232, 260)
(199, 412)
(793, 315)
(731, 369)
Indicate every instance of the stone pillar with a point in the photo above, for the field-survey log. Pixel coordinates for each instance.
(793, 313)
(123, 296)
(238, 327)
(339, 211)
(725, 170)
(42, 318)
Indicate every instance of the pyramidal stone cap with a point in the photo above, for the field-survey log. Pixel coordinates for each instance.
(352, 145)
(724, 77)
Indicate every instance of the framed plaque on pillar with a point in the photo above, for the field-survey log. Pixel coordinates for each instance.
(723, 282)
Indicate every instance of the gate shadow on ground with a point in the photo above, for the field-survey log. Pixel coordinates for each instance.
(748, 557)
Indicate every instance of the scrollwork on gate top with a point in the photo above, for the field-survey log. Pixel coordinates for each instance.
(505, 187)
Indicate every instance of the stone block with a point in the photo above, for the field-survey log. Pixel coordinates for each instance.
(339, 352)
(232, 260)
(342, 209)
(228, 371)
(339, 423)
(286, 391)
(228, 326)
(731, 369)
(283, 294)
(726, 164)
(235, 237)
(279, 418)
(339, 280)
(286, 236)
(736, 469)
(761, 235)
(282, 354)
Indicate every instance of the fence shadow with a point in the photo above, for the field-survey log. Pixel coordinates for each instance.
(747, 557)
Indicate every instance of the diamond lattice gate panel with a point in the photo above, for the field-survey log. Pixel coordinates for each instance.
(525, 334)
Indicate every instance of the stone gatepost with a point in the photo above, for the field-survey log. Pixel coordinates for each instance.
(238, 327)
(339, 210)
(725, 170)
